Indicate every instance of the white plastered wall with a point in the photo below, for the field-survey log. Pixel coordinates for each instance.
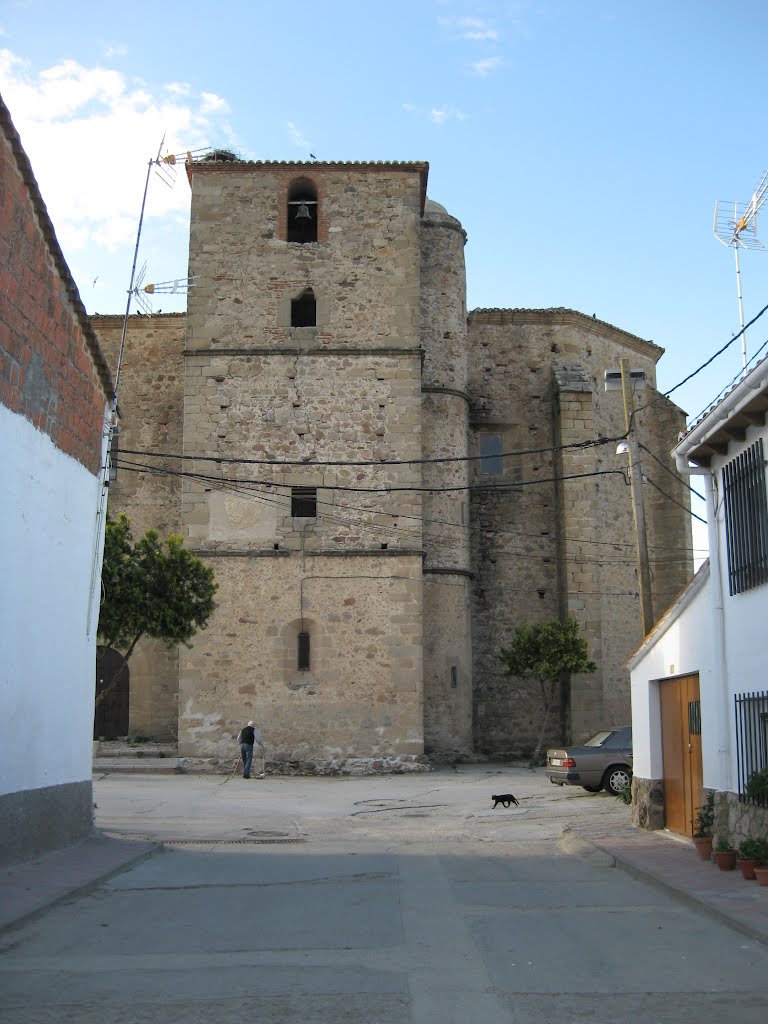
(48, 525)
(680, 647)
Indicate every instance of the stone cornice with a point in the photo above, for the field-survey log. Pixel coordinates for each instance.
(435, 389)
(562, 316)
(439, 570)
(294, 352)
(309, 167)
(309, 552)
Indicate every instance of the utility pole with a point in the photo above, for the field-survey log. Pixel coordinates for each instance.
(638, 510)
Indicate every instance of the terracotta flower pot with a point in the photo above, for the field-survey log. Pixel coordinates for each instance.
(761, 874)
(703, 846)
(725, 859)
(747, 868)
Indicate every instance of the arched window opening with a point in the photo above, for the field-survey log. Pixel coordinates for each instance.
(302, 213)
(304, 310)
(302, 652)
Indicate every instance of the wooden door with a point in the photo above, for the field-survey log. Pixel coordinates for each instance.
(112, 697)
(681, 748)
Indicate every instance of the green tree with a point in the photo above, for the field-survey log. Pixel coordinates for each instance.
(545, 652)
(150, 589)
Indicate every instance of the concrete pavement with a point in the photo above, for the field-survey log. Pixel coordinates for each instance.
(386, 900)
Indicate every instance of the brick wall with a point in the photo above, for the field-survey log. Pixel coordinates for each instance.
(51, 369)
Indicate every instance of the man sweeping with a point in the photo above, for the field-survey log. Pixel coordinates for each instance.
(247, 736)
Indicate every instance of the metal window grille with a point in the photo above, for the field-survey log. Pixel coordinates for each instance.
(694, 717)
(751, 739)
(304, 502)
(746, 519)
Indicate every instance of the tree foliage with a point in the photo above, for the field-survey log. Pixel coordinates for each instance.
(150, 589)
(545, 652)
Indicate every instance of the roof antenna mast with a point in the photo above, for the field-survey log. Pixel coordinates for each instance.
(736, 227)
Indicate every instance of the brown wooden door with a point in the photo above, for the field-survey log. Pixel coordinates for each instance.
(681, 748)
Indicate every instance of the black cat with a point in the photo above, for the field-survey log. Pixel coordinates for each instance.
(504, 798)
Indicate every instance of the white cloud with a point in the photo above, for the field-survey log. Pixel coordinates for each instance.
(90, 133)
(298, 136)
(439, 115)
(483, 68)
(476, 29)
(177, 88)
(110, 52)
(213, 103)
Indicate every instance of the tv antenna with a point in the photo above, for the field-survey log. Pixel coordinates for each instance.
(736, 227)
(143, 292)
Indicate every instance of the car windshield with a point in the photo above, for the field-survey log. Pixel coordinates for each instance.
(598, 739)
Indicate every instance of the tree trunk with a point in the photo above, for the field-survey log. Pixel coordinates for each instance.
(108, 687)
(548, 700)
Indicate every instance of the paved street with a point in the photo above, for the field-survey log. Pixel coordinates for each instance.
(377, 900)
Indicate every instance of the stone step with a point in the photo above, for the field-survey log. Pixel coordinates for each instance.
(136, 758)
(136, 765)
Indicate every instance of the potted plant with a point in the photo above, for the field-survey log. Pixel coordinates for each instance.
(725, 855)
(761, 868)
(751, 853)
(702, 828)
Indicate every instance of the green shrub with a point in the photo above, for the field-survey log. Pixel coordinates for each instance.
(752, 849)
(705, 819)
(757, 785)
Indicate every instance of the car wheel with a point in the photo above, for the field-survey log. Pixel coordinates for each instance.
(616, 779)
(592, 789)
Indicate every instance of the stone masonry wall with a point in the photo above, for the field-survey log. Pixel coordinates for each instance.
(363, 694)
(546, 549)
(151, 403)
(445, 405)
(309, 402)
(364, 271)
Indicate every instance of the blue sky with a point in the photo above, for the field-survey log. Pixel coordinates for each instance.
(581, 143)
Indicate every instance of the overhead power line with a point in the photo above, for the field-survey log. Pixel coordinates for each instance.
(229, 461)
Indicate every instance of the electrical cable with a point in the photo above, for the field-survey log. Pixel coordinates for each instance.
(224, 460)
(243, 489)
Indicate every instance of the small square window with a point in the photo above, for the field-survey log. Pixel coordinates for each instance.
(304, 502)
(490, 455)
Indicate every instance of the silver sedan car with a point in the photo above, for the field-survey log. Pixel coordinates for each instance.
(603, 762)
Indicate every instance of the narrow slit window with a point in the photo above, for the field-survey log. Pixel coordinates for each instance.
(304, 310)
(304, 502)
(490, 454)
(302, 651)
(302, 213)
